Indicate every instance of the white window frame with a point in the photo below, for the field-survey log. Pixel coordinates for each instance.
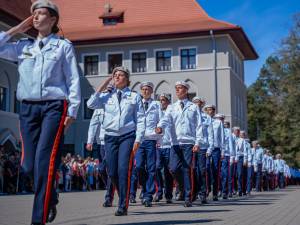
(179, 54)
(83, 55)
(147, 60)
(172, 59)
(113, 53)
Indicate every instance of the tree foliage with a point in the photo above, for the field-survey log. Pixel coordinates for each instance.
(274, 99)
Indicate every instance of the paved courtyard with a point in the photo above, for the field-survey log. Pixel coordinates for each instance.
(84, 208)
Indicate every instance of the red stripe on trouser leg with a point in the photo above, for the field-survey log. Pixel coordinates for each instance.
(23, 151)
(52, 163)
(129, 178)
(192, 176)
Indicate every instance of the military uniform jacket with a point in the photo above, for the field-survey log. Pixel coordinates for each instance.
(122, 118)
(186, 122)
(50, 73)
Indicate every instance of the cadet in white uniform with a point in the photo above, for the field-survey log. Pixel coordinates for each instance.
(185, 118)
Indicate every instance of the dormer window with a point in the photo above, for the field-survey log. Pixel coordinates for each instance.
(110, 17)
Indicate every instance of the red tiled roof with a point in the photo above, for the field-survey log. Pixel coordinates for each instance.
(19, 9)
(143, 19)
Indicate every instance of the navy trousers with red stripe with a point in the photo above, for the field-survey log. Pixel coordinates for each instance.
(41, 127)
(119, 165)
(181, 163)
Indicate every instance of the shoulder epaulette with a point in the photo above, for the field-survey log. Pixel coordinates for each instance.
(65, 39)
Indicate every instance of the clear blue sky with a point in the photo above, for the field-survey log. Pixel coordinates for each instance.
(266, 23)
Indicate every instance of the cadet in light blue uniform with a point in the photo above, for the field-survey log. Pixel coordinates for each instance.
(241, 158)
(215, 154)
(208, 143)
(233, 163)
(186, 120)
(163, 157)
(124, 124)
(250, 168)
(95, 143)
(227, 156)
(146, 154)
(279, 170)
(257, 161)
(49, 92)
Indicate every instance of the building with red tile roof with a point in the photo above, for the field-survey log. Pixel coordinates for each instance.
(161, 41)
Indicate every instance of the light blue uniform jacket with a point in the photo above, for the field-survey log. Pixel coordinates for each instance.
(122, 118)
(50, 73)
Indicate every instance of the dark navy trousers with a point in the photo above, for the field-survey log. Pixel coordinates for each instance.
(119, 157)
(225, 174)
(181, 163)
(202, 172)
(215, 169)
(146, 168)
(41, 128)
(250, 171)
(162, 163)
(258, 177)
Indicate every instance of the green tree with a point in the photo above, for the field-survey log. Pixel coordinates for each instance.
(274, 99)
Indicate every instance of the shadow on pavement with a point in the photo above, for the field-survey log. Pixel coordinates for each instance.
(169, 222)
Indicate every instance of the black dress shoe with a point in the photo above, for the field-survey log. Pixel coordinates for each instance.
(52, 214)
(121, 212)
(132, 200)
(168, 200)
(107, 204)
(148, 204)
(188, 204)
(215, 198)
(203, 199)
(157, 198)
(179, 197)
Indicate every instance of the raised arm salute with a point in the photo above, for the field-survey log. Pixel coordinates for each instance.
(49, 92)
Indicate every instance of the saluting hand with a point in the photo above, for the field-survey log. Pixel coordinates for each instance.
(24, 26)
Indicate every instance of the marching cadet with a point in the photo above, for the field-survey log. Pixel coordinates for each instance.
(146, 154)
(270, 170)
(250, 168)
(233, 163)
(265, 168)
(215, 155)
(49, 92)
(124, 124)
(96, 133)
(207, 143)
(257, 162)
(227, 158)
(185, 118)
(163, 157)
(241, 158)
(287, 174)
(279, 168)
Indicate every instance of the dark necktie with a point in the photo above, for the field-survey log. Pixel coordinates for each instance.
(41, 44)
(119, 94)
(181, 105)
(146, 104)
